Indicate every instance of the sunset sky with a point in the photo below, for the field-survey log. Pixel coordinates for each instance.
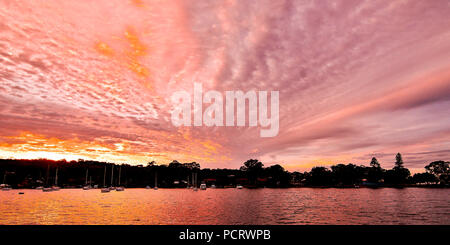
(357, 79)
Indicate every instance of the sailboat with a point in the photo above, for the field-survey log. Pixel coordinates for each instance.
(46, 188)
(4, 186)
(111, 187)
(86, 186)
(56, 187)
(40, 187)
(191, 183)
(120, 188)
(156, 181)
(104, 189)
(194, 180)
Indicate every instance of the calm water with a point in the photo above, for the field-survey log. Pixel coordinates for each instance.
(228, 206)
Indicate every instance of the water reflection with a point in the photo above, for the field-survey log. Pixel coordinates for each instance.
(228, 206)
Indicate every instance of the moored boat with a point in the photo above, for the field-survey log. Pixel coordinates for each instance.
(120, 188)
(104, 189)
(111, 187)
(156, 181)
(56, 187)
(86, 186)
(4, 186)
(194, 181)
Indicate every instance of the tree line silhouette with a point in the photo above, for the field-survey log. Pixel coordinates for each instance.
(33, 173)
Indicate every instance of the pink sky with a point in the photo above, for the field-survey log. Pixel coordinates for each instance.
(93, 79)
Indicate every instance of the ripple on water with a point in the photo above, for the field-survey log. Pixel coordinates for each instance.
(229, 206)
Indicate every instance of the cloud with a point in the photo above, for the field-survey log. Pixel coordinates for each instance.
(355, 77)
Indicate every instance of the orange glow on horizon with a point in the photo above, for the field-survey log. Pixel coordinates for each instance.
(28, 145)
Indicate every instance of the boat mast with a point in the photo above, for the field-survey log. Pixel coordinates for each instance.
(56, 177)
(112, 174)
(87, 171)
(104, 178)
(48, 172)
(120, 173)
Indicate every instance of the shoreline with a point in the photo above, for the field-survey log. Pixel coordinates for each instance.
(292, 187)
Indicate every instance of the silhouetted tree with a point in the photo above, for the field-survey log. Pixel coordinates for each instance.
(252, 164)
(175, 164)
(349, 174)
(278, 176)
(33, 173)
(320, 176)
(398, 174)
(374, 163)
(297, 178)
(253, 168)
(440, 169)
(424, 178)
(150, 164)
(375, 173)
(398, 161)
